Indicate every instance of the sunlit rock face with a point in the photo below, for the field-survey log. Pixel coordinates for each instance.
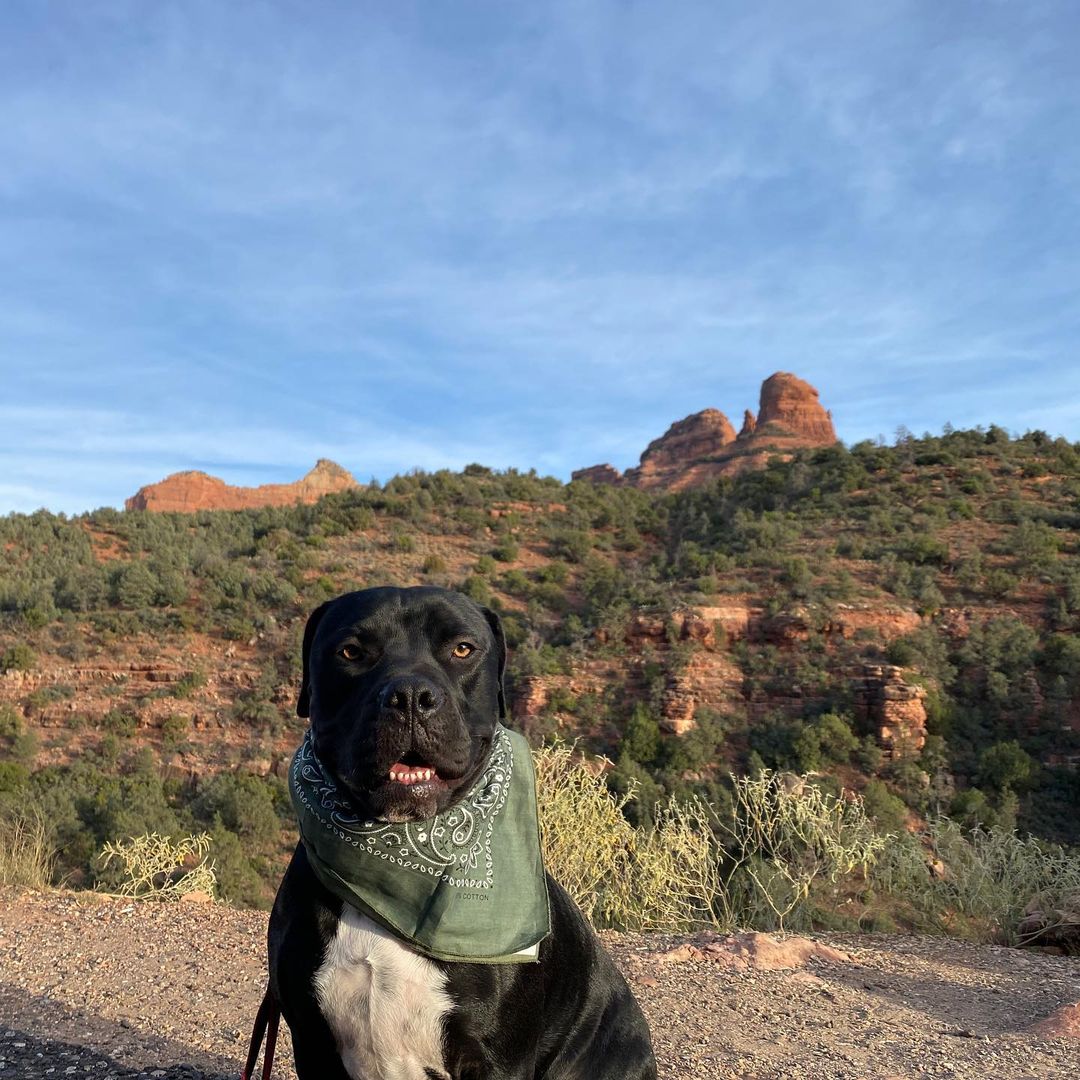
(704, 445)
(185, 492)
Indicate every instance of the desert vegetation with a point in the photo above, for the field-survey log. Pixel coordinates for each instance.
(148, 661)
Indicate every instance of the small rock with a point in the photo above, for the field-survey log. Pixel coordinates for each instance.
(1063, 1023)
(679, 955)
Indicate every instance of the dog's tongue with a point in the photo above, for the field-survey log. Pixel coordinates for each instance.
(411, 774)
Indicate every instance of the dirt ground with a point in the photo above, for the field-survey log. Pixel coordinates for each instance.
(96, 987)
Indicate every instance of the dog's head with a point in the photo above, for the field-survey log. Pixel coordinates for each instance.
(404, 690)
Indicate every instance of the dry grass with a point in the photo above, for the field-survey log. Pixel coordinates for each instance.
(27, 855)
(1012, 888)
(663, 878)
(755, 868)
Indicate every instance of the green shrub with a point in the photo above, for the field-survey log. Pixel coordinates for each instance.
(174, 730)
(868, 755)
(999, 583)
(120, 722)
(11, 723)
(641, 736)
(1005, 765)
(14, 777)
(835, 737)
(238, 874)
(187, 684)
(477, 589)
(1035, 546)
(241, 802)
(433, 564)
(44, 696)
(18, 657)
(256, 710)
(515, 582)
(886, 810)
(136, 586)
(25, 747)
(572, 544)
(241, 628)
(507, 551)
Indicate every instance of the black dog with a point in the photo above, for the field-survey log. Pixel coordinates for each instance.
(404, 691)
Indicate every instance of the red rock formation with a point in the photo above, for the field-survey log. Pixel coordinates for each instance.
(752, 951)
(704, 446)
(732, 619)
(793, 406)
(695, 439)
(529, 699)
(678, 705)
(893, 706)
(887, 622)
(1062, 1023)
(185, 492)
(599, 474)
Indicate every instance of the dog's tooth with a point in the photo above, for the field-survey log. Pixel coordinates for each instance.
(427, 774)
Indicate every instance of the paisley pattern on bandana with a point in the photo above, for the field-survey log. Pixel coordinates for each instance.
(454, 846)
(465, 886)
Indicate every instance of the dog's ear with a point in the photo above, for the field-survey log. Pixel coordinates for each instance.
(303, 702)
(500, 642)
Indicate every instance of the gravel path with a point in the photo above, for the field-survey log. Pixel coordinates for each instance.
(96, 987)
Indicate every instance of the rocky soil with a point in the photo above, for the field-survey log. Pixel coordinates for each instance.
(96, 987)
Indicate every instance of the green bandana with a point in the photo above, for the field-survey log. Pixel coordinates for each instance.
(466, 885)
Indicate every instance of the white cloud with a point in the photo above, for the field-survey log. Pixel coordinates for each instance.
(519, 237)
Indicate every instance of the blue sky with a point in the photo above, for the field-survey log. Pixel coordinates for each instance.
(241, 236)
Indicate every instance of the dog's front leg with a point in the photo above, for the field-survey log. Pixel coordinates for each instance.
(314, 1048)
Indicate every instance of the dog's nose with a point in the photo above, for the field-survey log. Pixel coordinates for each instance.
(412, 696)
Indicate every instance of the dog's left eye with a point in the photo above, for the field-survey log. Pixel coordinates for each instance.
(350, 652)
(463, 649)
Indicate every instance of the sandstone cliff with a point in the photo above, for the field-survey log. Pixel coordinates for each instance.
(703, 446)
(666, 460)
(790, 408)
(185, 492)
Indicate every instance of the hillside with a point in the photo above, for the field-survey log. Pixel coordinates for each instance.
(899, 620)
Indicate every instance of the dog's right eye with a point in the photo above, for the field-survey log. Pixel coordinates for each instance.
(350, 652)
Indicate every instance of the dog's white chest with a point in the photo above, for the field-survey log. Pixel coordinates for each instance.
(384, 1003)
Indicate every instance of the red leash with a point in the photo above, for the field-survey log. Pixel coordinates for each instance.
(266, 1022)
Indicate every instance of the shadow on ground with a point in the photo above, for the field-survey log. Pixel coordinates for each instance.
(29, 1057)
(83, 1044)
